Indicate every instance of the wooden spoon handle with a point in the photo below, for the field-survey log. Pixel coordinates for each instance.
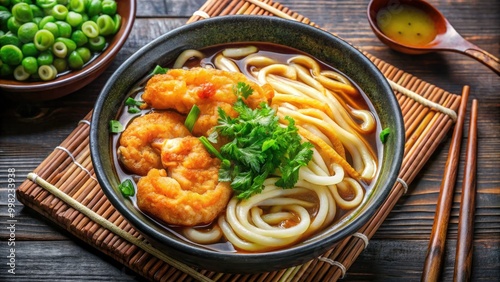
(484, 57)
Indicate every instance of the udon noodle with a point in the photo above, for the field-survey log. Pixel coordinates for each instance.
(331, 113)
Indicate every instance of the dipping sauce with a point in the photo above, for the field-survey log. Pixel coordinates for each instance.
(406, 24)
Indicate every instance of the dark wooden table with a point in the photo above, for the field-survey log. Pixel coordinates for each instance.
(396, 252)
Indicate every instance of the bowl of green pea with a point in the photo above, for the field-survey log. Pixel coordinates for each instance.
(51, 48)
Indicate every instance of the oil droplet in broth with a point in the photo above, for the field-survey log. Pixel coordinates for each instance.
(406, 24)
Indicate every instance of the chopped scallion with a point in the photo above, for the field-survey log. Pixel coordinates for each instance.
(133, 105)
(384, 134)
(160, 70)
(133, 110)
(115, 126)
(191, 118)
(133, 102)
(210, 148)
(127, 188)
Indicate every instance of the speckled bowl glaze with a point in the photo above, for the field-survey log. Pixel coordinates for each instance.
(35, 91)
(220, 30)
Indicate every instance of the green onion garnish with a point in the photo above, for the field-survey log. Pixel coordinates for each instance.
(192, 117)
(210, 148)
(127, 188)
(133, 102)
(133, 105)
(160, 70)
(115, 126)
(384, 134)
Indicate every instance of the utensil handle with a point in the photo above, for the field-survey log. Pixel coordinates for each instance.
(484, 57)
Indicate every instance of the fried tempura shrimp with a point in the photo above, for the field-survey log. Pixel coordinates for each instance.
(180, 89)
(136, 151)
(209, 89)
(191, 193)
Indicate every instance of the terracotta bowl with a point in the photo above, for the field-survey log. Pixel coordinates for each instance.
(219, 30)
(74, 80)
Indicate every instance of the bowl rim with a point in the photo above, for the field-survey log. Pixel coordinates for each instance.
(329, 241)
(101, 61)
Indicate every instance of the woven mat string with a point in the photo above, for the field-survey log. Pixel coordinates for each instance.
(363, 237)
(342, 268)
(201, 14)
(403, 183)
(76, 162)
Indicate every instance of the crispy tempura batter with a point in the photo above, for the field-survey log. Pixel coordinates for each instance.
(209, 89)
(181, 186)
(136, 151)
(192, 194)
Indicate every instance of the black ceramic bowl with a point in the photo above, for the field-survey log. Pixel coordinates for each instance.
(313, 41)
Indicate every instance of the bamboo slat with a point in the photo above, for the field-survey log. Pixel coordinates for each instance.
(69, 169)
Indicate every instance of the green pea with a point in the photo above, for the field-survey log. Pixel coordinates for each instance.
(84, 53)
(65, 29)
(11, 55)
(79, 37)
(22, 12)
(30, 65)
(90, 29)
(68, 42)
(75, 61)
(47, 72)
(4, 18)
(52, 27)
(27, 31)
(29, 50)
(6, 70)
(37, 20)
(97, 44)
(13, 25)
(94, 7)
(94, 18)
(60, 12)
(77, 6)
(118, 22)
(9, 39)
(60, 64)
(45, 58)
(74, 19)
(37, 12)
(109, 7)
(20, 73)
(43, 39)
(60, 50)
(106, 25)
(45, 20)
(46, 4)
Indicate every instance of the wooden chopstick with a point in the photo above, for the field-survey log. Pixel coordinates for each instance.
(435, 251)
(463, 257)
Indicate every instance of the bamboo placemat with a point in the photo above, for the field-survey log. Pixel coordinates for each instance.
(68, 170)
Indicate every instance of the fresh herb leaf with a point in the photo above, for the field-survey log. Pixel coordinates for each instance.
(243, 89)
(127, 188)
(384, 134)
(191, 118)
(115, 126)
(259, 147)
(160, 70)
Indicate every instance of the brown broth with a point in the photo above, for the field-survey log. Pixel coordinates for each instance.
(279, 53)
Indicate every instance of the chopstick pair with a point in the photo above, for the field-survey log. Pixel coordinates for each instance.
(436, 249)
